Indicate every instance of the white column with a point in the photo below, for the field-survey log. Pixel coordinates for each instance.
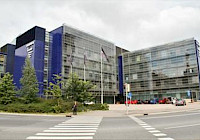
(84, 72)
(101, 79)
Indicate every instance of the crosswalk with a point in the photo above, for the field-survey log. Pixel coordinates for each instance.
(79, 127)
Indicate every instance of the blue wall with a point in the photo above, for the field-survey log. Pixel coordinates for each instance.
(37, 57)
(9, 50)
(56, 52)
(38, 62)
(198, 62)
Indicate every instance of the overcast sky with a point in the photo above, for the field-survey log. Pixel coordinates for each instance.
(130, 24)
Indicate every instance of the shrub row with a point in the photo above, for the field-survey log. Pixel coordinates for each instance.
(49, 106)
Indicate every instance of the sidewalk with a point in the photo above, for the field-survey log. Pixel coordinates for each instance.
(119, 110)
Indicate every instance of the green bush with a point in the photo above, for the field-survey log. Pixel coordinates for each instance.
(98, 107)
(49, 106)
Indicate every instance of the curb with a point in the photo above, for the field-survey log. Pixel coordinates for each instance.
(39, 115)
(158, 113)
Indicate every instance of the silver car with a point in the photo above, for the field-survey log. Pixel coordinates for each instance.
(180, 102)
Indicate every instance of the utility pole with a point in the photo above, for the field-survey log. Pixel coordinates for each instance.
(127, 87)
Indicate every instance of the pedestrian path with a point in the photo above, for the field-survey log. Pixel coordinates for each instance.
(79, 127)
(150, 129)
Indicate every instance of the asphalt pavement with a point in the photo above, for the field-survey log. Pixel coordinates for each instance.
(18, 127)
(163, 122)
(180, 125)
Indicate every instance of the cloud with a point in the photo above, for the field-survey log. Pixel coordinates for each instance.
(130, 24)
(173, 24)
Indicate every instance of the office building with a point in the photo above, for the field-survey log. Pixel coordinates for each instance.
(62, 51)
(166, 70)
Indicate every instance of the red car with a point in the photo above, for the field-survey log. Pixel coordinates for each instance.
(129, 102)
(135, 101)
(162, 101)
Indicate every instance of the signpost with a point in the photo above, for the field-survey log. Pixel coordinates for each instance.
(127, 87)
(130, 95)
(188, 93)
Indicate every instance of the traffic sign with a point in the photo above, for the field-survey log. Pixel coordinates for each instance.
(129, 95)
(188, 93)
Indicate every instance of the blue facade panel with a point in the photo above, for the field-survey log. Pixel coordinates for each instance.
(56, 52)
(38, 61)
(36, 54)
(120, 75)
(9, 50)
(18, 70)
(198, 61)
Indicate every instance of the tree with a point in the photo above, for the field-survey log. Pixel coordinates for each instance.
(86, 95)
(29, 83)
(7, 89)
(54, 88)
(78, 90)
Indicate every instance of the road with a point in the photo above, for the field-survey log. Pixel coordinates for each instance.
(170, 126)
(184, 126)
(18, 127)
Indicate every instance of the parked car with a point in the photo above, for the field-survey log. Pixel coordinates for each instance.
(174, 100)
(170, 100)
(135, 101)
(88, 103)
(129, 102)
(180, 102)
(154, 101)
(146, 102)
(162, 101)
(140, 102)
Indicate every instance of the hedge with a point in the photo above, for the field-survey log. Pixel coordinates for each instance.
(49, 106)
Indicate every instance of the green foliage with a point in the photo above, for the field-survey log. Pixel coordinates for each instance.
(78, 90)
(98, 107)
(49, 106)
(7, 89)
(29, 83)
(54, 90)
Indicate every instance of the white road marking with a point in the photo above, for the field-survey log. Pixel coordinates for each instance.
(182, 126)
(53, 128)
(80, 123)
(154, 131)
(165, 139)
(142, 124)
(170, 116)
(67, 124)
(146, 126)
(65, 134)
(150, 128)
(80, 127)
(57, 138)
(159, 134)
(137, 120)
(69, 131)
(76, 126)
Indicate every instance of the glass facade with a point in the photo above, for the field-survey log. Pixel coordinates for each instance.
(79, 47)
(47, 58)
(2, 63)
(162, 71)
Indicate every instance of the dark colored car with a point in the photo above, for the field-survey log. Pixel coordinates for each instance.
(154, 101)
(147, 102)
(180, 102)
(140, 102)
